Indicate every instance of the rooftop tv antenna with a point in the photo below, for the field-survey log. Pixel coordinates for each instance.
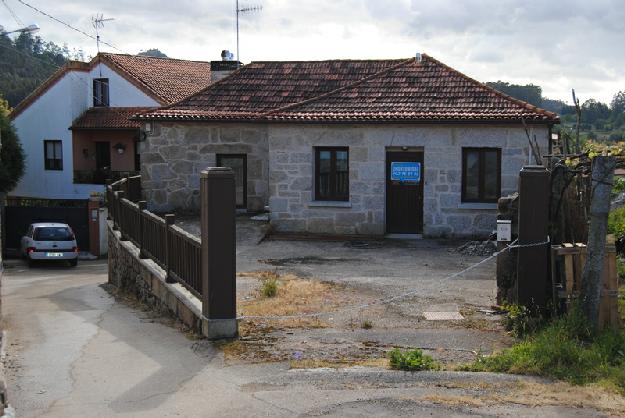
(98, 23)
(245, 9)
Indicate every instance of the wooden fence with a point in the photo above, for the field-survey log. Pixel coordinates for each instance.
(172, 248)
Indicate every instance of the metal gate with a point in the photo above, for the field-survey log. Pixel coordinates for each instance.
(20, 213)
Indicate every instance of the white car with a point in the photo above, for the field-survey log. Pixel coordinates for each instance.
(50, 241)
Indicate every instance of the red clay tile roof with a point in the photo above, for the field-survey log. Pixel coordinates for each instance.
(351, 91)
(109, 118)
(166, 79)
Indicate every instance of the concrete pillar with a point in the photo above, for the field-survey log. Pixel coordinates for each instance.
(218, 208)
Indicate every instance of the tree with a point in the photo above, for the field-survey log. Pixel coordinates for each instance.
(618, 103)
(529, 93)
(153, 52)
(11, 153)
(593, 110)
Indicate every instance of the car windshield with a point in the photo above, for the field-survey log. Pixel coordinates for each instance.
(53, 233)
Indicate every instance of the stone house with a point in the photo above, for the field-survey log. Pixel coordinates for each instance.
(369, 147)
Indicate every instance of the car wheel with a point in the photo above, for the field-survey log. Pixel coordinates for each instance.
(73, 263)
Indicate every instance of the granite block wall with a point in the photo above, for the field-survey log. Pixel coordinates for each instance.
(291, 174)
(174, 154)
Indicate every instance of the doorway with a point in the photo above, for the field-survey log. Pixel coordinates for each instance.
(404, 192)
(238, 164)
(102, 161)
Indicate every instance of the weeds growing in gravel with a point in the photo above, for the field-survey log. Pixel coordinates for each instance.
(565, 349)
(412, 360)
(269, 288)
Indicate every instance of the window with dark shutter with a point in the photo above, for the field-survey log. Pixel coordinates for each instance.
(481, 175)
(100, 92)
(332, 173)
(53, 154)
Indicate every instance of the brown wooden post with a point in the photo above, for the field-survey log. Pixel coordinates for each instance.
(121, 221)
(533, 284)
(218, 207)
(143, 205)
(170, 219)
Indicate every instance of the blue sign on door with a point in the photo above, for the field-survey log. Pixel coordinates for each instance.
(406, 171)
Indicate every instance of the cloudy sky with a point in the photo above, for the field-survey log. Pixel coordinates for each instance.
(556, 44)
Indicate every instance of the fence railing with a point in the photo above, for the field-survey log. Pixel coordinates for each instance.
(172, 248)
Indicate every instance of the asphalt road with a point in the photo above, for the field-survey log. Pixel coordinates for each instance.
(73, 351)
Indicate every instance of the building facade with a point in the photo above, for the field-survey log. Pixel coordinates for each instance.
(408, 147)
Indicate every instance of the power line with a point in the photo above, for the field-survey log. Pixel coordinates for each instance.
(17, 19)
(68, 25)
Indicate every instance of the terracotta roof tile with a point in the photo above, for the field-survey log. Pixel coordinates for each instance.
(168, 79)
(109, 118)
(351, 90)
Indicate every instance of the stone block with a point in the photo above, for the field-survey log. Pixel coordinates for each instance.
(301, 184)
(374, 202)
(358, 154)
(159, 172)
(321, 225)
(449, 200)
(230, 134)
(151, 158)
(278, 204)
(460, 224)
(196, 134)
(171, 152)
(485, 222)
(300, 157)
(348, 218)
(289, 225)
(182, 167)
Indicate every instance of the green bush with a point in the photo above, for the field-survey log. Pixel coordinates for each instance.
(565, 349)
(616, 222)
(412, 360)
(521, 321)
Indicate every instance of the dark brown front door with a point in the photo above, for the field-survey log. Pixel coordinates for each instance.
(238, 164)
(404, 192)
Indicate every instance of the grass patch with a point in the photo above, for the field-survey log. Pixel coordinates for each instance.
(366, 324)
(411, 360)
(337, 364)
(565, 350)
(269, 288)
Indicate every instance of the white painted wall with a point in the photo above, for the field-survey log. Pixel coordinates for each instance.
(50, 117)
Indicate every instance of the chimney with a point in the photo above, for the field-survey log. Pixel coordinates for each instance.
(223, 68)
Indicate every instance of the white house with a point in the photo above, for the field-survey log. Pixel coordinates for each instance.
(113, 86)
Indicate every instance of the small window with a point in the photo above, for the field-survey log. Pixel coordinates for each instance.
(331, 173)
(481, 175)
(53, 155)
(100, 92)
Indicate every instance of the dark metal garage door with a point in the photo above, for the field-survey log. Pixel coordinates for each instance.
(19, 213)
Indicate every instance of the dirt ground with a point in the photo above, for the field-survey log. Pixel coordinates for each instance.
(346, 281)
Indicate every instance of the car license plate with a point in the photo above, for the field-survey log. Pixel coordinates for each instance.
(54, 254)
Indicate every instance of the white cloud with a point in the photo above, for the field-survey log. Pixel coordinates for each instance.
(557, 45)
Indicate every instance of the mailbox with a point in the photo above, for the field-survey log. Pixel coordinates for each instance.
(504, 230)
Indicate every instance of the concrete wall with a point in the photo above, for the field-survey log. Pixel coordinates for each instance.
(50, 116)
(291, 162)
(174, 154)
